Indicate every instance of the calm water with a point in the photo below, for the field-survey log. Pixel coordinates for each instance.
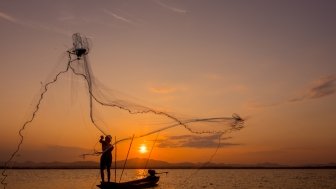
(179, 178)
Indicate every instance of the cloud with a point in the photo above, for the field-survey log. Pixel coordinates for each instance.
(27, 23)
(324, 86)
(66, 18)
(193, 141)
(174, 9)
(162, 89)
(118, 17)
(7, 17)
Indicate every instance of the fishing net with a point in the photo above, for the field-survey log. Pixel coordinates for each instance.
(113, 113)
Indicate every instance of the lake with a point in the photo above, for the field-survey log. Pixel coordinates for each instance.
(178, 178)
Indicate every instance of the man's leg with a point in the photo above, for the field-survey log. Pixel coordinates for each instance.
(108, 174)
(102, 174)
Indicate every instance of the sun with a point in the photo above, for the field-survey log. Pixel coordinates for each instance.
(143, 149)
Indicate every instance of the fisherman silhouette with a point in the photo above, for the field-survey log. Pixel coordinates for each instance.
(106, 157)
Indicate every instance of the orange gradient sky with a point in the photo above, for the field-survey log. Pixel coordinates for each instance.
(272, 62)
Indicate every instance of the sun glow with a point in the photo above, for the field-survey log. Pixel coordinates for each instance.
(143, 149)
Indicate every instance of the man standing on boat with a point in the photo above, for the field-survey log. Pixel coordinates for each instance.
(106, 157)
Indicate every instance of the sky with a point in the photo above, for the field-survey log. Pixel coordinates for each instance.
(271, 62)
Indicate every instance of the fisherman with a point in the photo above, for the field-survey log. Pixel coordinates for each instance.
(106, 157)
(151, 173)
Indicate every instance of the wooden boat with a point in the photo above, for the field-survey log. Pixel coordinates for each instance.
(146, 182)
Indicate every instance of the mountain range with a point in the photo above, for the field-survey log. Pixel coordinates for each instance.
(138, 163)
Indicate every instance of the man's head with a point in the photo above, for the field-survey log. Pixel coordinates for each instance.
(108, 138)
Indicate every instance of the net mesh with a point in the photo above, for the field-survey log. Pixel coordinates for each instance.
(104, 102)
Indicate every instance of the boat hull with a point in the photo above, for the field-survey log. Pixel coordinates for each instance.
(147, 182)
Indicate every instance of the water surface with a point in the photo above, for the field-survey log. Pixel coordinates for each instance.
(178, 178)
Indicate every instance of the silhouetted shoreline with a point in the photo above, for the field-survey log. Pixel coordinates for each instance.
(299, 167)
(138, 163)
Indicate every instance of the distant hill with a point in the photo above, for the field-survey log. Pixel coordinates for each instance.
(131, 163)
(138, 163)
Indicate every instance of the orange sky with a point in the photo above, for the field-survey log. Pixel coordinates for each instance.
(271, 62)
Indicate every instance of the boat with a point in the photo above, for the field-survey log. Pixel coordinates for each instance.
(149, 181)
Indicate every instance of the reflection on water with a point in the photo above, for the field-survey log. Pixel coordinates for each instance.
(178, 178)
(140, 173)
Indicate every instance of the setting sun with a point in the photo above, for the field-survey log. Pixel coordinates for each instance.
(143, 149)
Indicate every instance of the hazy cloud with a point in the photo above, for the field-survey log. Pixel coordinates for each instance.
(30, 24)
(162, 89)
(7, 17)
(118, 17)
(193, 141)
(169, 7)
(322, 87)
(66, 17)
